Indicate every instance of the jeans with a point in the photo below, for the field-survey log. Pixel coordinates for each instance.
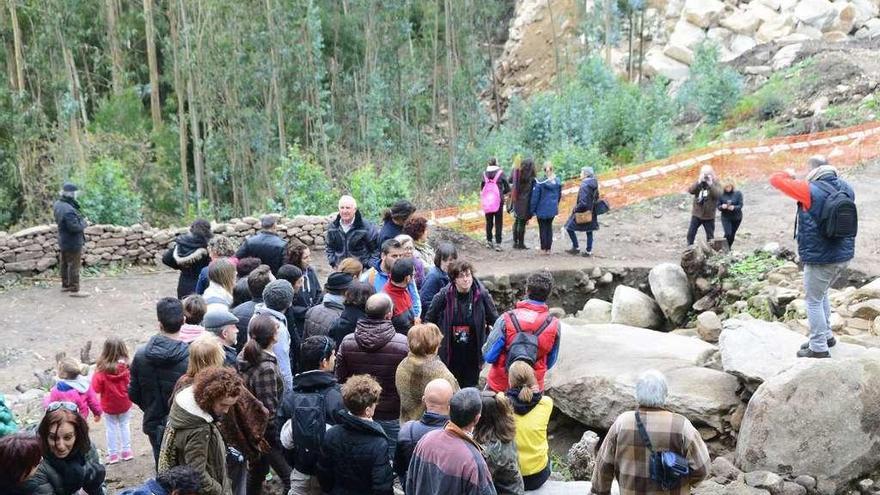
(545, 231)
(708, 227)
(155, 439)
(259, 468)
(69, 264)
(574, 240)
(303, 484)
(817, 281)
(118, 432)
(730, 225)
(494, 220)
(392, 428)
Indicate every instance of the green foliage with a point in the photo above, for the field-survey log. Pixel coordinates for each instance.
(377, 189)
(121, 113)
(753, 268)
(108, 194)
(301, 186)
(711, 88)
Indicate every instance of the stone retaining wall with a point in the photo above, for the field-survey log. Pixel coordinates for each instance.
(35, 250)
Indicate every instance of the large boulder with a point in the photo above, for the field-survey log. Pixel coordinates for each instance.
(817, 13)
(703, 13)
(595, 376)
(671, 289)
(657, 63)
(596, 311)
(845, 18)
(742, 22)
(821, 417)
(635, 308)
(683, 40)
(775, 28)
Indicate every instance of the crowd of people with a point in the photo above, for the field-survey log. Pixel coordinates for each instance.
(399, 367)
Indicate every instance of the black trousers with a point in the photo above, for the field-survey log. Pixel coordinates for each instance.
(519, 232)
(258, 470)
(495, 220)
(545, 232)
(69, 264)
(708, 227)
(730, 225)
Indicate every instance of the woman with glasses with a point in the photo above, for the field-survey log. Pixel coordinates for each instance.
(70, 462)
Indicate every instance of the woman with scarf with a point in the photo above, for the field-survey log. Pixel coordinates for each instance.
(465, 312)
(531, 412)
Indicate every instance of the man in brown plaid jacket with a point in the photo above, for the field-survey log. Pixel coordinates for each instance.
(623, 454)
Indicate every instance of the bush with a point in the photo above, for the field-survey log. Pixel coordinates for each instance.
(771, 106)
(108, 195)
(302, 186)
(121, 113)
(712, 88)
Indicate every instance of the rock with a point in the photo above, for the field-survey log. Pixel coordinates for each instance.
(606, 279)
(34, 231)
(865, 485)
(742, 22)
(594, 379)
(845, 19)
(709, 326)
(740, 44)
(870, 30)
(671, 290)
(635, 308)
(867, 310)
(835, 37)
(684, 38)
(582, 456)
(837, 322)
(809, 31)
(781, 296)
(786, 56)
(817, 13)
(21, 266)
(775, 28)
(865, 11)
(765, 480)
(758, 70)
(806, 481)
(875, 327)
(596, 311)
(711, 487)
(656, 63)
(557, 487)
(723, 468)
(703, 13)
(794, 412)
(792, 488)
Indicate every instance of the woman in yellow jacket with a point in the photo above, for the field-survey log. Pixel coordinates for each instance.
(532, 414)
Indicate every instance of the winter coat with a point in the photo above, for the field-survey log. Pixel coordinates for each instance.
(522, 193)
(310, 382)
(503, 461)
(155, 369)
(346, 323)
(192, 438)
(189, 255)
(244, 312)
(311, 293)
(217, 297)
(410, 434)
(263, 379)
(531, 431)
(389, 230)
(268, 246)
(113, 389)
(434, 281)
(734, 198)
(813, 246)
(354, 458)
(71, 224)
(503, 185)
(320, 318)
(705, 199)
(374, 349)
(361, 241)
(531, 315)
(448, 461)
(546, 194)
(67, 476)
(412, 375)
(79, 391)
(441, 314)
(588, 194)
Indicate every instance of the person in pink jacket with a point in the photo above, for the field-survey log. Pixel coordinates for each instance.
(74, 386)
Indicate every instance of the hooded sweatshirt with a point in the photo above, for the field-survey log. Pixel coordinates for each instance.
(77, 390)
(374, 349)
(113, 389)
(531, 420)
(155, 369)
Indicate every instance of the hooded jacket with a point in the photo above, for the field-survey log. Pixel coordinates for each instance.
(79, 391)
(361, 241)
(189, 255)
(192, 438)
(354, 458)
(374, 349)
(546, 194)
(67, 476)
(71, 224)
(268, 246)
(588, 193)
(113, 389)
(310, 382)
(155, 369)
(531, 420)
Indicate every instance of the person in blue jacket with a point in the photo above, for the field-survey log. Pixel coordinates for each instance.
(730, 205)
(544, 205)
(437, 277)
(588, 195)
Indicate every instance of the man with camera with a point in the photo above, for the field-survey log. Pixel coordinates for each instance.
(706, 192)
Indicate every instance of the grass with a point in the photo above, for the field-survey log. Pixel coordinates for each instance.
(560, 466)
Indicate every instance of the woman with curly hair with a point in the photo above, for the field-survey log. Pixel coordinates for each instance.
(219, 246)
(310, 294)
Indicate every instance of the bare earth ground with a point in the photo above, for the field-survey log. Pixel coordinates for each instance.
(38, 321)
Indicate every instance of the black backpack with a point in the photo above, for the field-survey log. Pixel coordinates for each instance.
(524, 346)
(308, 425)
(839, 218)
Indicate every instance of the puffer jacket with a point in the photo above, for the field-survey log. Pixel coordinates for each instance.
(268, 246)
(546, 194)
(67, 476)
(354, 459)
(361, 241)
(71, 224)
(320, 318)
(155, 369)
(374, 349)
(189, 255)
(193, 439)
(813, 246)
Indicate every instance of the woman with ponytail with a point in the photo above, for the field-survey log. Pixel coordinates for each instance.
(531, 412)
(262, 377)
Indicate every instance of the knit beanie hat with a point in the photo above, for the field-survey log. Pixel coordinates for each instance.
(278, 295)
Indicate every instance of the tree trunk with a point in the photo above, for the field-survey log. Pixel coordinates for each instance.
(641, 42)
(155, 108)
(435, 96)
(450, 96)
(608, 7)
(629, 61)
(179, 91)
(19, 58)
(198, 163)
(279, 102)
(116, 68)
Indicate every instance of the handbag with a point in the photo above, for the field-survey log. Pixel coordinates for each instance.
(666, 468)
(602, 207)
(583, 217)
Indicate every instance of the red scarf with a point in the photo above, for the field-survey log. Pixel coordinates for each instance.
(399, 296)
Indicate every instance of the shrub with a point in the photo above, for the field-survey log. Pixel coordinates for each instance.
(771, 106)
(108, 195)
(302, 186)
(712, 88)
(377, 189)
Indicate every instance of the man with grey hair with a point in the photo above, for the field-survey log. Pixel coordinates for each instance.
(625, 453)
(222, 323)
(265, 244)
(350, 236)
(823, 198)
(448, 460)
(71, 238)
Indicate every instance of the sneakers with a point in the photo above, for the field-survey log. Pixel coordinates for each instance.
(83, 295)
(573, 251)
(809, 353)
(587, 254)
(831, 343)
(127, 455)
(112, 459)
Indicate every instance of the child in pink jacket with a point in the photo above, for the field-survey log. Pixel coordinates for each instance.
(74, 386)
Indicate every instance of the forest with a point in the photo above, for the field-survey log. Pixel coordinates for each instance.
(164, 110)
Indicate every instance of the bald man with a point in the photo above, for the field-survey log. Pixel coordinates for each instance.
(436, 398)
(350, 236)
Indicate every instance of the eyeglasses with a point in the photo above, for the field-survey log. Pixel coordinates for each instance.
(70, 406)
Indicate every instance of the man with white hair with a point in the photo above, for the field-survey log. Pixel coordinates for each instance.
(706, 192)
(71, 225)
(625, 452)
(350, 236)
(825, 229)
(265, 244)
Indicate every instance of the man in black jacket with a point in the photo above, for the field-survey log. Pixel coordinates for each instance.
(436, 398)
(350, 236)
(155, 369)
(265, 244)
(71, 225)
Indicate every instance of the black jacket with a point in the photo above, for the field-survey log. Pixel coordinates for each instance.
(314, 381)
(67, 476)
(361, 241)
(354, 459)
(189, 255)
(71, 225)
(734, 198)
(244, 312)
(155, 369)
(410, 434)
(268, 246)
(346, 323)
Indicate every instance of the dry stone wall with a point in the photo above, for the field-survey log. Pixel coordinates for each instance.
(35, 250)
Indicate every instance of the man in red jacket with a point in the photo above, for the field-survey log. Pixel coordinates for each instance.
(529, 316)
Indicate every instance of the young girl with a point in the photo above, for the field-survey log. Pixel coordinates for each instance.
(73, 386)
(194, 309)
(111, 382)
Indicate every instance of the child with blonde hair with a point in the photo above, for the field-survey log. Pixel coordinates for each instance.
(110, 381)
(73, 385)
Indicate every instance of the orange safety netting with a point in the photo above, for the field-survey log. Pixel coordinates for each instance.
(740, 160)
